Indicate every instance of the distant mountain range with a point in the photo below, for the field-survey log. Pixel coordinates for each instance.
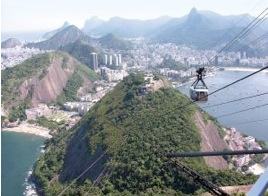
(123, 27)
(198, 29)
(66, 36)
(201, 29)
(10, 43)
(72, 37)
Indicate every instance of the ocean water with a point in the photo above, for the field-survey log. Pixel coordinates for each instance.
(19, 152)
(250, 86)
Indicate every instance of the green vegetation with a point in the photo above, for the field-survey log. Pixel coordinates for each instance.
(75, 82)
(50, 124)
(17, 113)
(80, 50)
(71, 88)
(37, 68)
(13, 77)
(113, 42)
(136, 130)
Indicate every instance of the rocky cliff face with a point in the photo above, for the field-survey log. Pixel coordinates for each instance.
(41, 82)
(47, 88)
(211, 141)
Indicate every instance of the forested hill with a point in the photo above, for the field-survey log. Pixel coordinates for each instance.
(44, 78)
(127, 133)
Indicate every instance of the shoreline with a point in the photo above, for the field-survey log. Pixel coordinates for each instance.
(29, 129)
(243, 69)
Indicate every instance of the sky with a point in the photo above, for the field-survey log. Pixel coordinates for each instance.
(38, 15)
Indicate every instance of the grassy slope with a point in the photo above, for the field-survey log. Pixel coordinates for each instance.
(136, 131)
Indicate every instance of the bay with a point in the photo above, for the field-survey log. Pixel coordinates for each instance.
(19, 152)
(251, 86)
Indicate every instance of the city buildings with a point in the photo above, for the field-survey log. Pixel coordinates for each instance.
(105, 59)
(13, 56)
(112, 75)
(94, 60)
(236, 141)
(110, 59)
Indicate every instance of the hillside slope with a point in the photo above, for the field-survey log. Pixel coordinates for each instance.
(81, 51)
(128, 133)
(113, 42)
(43, 79)
(50, 34)
(68, 35)
(10, 43)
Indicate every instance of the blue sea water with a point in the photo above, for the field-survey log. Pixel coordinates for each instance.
(19, 152)
(251, 86)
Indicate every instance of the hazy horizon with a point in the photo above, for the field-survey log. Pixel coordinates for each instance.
(17, 16)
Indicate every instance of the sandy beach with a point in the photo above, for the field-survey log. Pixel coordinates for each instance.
(243, 69)
(30, 129)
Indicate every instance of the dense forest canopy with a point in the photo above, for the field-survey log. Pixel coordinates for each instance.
(134, 130)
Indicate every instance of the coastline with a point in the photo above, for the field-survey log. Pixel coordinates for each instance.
(30, 129)
(243, 69)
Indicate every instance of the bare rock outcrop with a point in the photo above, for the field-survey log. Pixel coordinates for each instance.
(210, 141)
(49, 84)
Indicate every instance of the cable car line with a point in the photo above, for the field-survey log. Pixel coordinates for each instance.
(198, 178)
(254, 27)
(240, 111)
(253, 121)
(224, 87)
(234, 25)
(256, 42)
(245, 34)
(200, 93)
(242, 32)
(83, 173)
(208, 185)
(235, 100)
(260, 38)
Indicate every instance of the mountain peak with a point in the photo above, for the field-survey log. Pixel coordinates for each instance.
(66, 24)
(50, 34)
(194, 18)
(193, 11)
(72, 27)
(66, 36)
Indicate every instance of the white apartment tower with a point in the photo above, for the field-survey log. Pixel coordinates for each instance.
(105, 59)
(110, 60)
(94, 60)
(116, 63)
(119, 59)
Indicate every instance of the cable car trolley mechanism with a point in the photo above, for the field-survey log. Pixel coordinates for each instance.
(199, 90)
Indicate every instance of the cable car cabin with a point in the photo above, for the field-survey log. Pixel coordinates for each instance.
(199, 90)
(199, 94)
